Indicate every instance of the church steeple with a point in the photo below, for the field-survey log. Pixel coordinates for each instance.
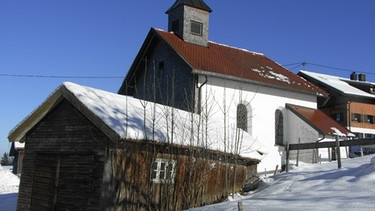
(189, 19)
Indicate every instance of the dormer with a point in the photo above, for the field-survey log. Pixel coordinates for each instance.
(188, 19)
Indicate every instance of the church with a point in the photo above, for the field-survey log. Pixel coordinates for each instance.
(192, 122)
(245, 90)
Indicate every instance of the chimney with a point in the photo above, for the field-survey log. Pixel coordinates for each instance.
(362, 77)
(353, 76)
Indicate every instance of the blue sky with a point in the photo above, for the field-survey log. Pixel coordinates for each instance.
(41, 40)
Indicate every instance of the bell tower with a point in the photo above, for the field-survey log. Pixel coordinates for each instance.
(188, 19)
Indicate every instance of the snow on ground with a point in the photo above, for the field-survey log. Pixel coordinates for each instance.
(8, 189)
(307, 187)
(313, 187)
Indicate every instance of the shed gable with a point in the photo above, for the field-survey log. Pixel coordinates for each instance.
(63, 163)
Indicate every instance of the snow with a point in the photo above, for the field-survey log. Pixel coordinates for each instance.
(312, 187)
(269, 74)
(307, 187)
(241, 49)
(337, 83)
(8, 189)
(133, 118)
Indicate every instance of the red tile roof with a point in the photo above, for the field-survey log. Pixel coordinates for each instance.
(227, 61)
(318, 120)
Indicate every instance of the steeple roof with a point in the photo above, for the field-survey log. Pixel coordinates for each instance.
(199, 4)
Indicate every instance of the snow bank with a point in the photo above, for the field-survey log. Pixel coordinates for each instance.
(8, 190)
(9, 182)
(313, 187)
(307, 187)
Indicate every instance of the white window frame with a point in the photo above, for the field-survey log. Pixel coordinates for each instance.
(160, 172)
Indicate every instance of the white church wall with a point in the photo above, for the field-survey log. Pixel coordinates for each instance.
(300, 132)
(222, 97)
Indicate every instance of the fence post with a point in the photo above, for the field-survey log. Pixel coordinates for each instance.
(276, 169)
(240, 206)
(299, 142)
(338, 154)
(287, 157)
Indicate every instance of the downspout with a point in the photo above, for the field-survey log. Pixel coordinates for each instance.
(349, 116)
(200, 94)
(349, 122)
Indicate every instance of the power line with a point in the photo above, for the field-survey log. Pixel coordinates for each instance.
(295, 65)
(304, 64)
(298, 65)
(58, 76)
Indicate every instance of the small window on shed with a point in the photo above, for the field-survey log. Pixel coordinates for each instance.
(196, 28)
(163, 170)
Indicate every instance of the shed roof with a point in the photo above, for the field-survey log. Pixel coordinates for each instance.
(122, 117)
(226, 61)
(319, 121)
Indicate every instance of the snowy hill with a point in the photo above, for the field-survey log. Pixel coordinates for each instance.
(8, 189)
(313, 187)
(307, 187)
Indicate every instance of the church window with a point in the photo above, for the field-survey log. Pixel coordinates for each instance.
(196, 28)
(242, 117)
(279, 128)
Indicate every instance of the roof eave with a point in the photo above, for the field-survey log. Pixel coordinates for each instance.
(208, 73)
(136, 62)
(19, 132)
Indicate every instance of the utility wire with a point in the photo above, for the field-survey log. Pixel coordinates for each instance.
(58, 76)
(295, 65)
(304, 64)
(298, 65)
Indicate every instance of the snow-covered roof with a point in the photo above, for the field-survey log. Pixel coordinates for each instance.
(130, 118)
(338, 83)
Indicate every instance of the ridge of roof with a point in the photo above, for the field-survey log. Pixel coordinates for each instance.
(239, 63)
(236, 48)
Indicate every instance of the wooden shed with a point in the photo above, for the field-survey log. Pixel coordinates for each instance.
(87, 149)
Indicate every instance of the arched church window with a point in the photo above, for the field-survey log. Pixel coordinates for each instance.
(279, 127)
(242, 117)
